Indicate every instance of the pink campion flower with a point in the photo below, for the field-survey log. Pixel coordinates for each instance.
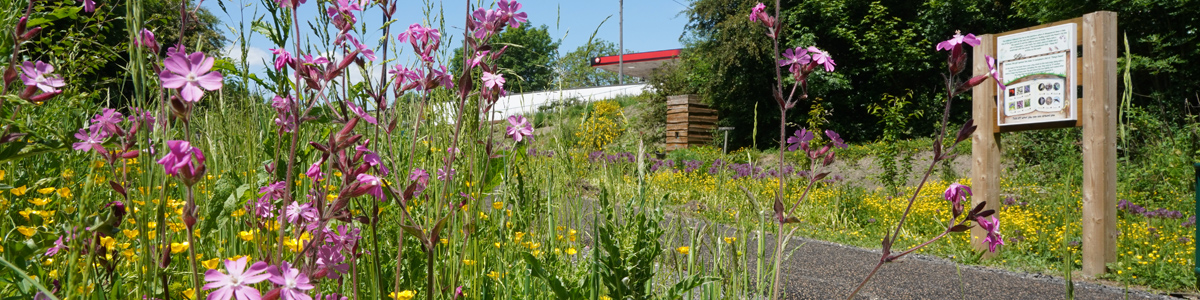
(297, 212)
(836, 138)
(405, 78)
(314, 171)
(319, 61)
(191, 74)
(484, 22)
(800, 139)
(957, 40)
(144, 117)
(366, 52)
(38, 74)
(146, 39)
(519, 128)
(509, 9)
(362, 113)
(182, 159)
(957, 194)
(273, 191)
(292, 283)
(106, 121)
(759, 9)
(92, 141)
(368, 185)
(443, 77)
(263, 208)
(474, 62)
(424, 40)
(994, 71)
(89, 6)
(993, 238)
(283, 110)
(371, 158)
(343, 13)
(421, 178)
(344, 237)
(493, 81)
(58, 246)
(282, 58)
(237, 284)
(820, 57)
(445, 176)
(795, 59)
(290, 3)
(331, 258)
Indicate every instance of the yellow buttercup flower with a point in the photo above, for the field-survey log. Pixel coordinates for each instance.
(108, 242)
(19, 191)
(26, 212)
(405, 295)
(45, 191)
(494, 275)
(468, 262)
(211, 264)
(246, 236)
(189, 293)
(571, 251)
(497, 205)
(64, 192)
(39, 201)
(176, 248)
(730, 239)
(2, 174)
(27, 231)
(682, 250)
(130, 233)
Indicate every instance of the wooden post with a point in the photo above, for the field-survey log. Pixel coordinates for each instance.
(985, 143)
(1099, 114)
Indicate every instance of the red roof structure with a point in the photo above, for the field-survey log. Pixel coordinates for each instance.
(637, 64)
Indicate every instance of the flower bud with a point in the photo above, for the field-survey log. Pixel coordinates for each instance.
(21, 25)
(189, 214)
(130, 154)
(10, 75)
(27, 92)
(44, 96)
(31, 33)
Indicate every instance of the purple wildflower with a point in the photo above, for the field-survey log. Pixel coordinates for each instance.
(238, 283)
(993, 238)
(293, 283)
(800, 140)
(836, 138)
(795, 59)
(190, 74)
(519, 128)
(821, 57)
(39, 75)
(957, 41)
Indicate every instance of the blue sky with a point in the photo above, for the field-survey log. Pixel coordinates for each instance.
(649, 24)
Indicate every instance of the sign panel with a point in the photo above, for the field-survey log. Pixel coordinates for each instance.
(1038, 68)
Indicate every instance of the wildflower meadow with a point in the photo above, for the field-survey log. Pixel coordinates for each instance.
(352, 167)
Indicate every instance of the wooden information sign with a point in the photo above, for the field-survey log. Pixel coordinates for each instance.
(1062, 74)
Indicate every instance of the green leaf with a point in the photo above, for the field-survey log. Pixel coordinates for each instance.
(555, 283)
(676, 291)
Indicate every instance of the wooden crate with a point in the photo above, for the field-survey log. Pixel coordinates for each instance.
(689, 122)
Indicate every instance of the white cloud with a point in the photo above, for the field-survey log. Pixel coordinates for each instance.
(255, 57)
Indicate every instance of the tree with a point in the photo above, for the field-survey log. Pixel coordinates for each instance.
(94, 46)
(575, 69)
(530, 55)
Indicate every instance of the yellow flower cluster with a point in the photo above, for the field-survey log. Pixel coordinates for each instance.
(604, 125)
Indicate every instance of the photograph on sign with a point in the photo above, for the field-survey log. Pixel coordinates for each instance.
(1038, 68)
